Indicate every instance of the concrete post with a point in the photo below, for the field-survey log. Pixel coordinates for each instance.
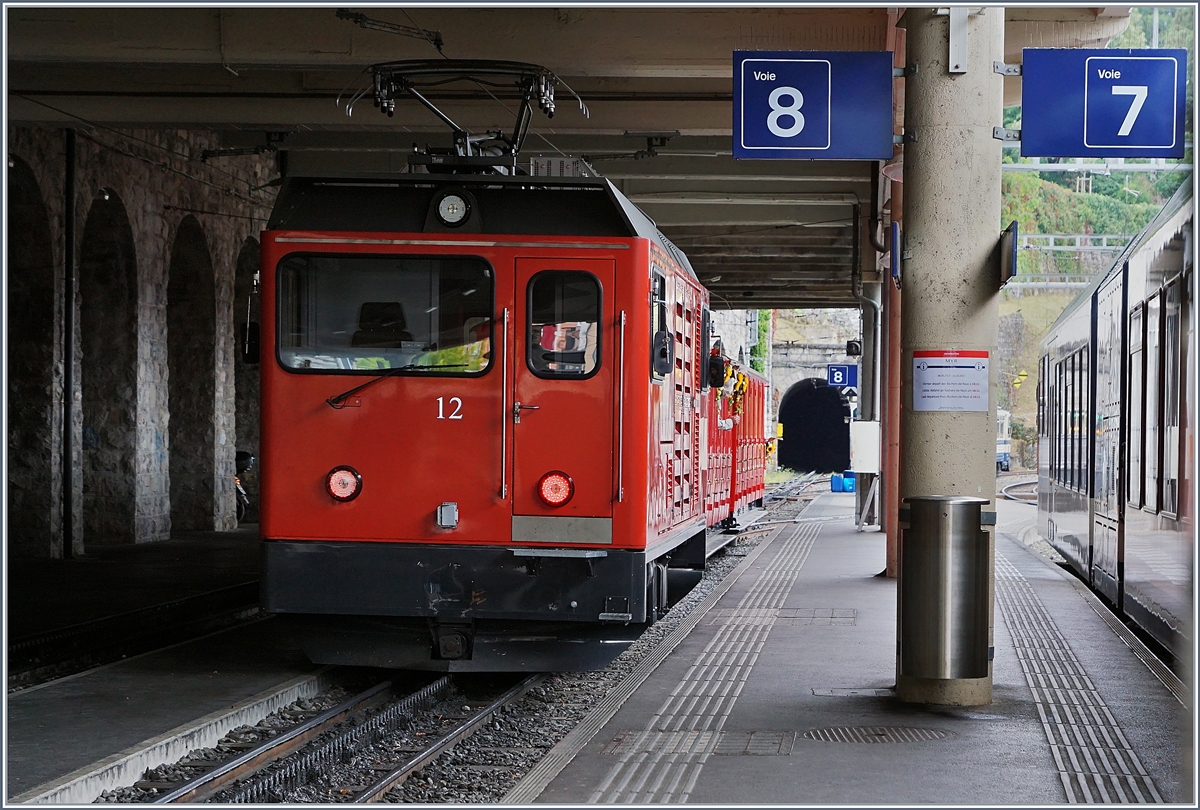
(951, 295)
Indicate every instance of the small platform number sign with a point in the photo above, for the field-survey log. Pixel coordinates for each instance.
(1103, 103)
(827, 105)
(841, 376)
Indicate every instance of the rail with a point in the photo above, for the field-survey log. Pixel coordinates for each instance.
(1012, 493)
(256, 759)
(469, 726)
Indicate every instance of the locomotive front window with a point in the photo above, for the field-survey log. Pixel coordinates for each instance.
(360, 314)
(564, 324)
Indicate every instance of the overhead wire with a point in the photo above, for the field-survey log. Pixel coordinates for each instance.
(95, 126)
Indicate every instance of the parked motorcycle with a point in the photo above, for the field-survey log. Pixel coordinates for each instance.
(243, 461)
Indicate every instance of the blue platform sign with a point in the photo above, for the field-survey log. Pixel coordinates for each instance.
(1103, 103)
(812, 105)
(841, 376)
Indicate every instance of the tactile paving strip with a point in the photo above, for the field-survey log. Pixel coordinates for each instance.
(719, 743)
(875, 734)
(663, 761)
(1095, 762)
(790, 617)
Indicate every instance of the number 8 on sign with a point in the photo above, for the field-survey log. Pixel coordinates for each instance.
(791, 111)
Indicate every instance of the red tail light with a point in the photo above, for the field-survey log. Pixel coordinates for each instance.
(556, 488)
(343, 483)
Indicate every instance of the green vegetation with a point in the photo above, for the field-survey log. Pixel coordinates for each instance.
(1038, 312)
(1176, 29)
(758, 352)
(1104, 200)
(778, 475)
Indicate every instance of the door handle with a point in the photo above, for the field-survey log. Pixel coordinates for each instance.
(518, 407)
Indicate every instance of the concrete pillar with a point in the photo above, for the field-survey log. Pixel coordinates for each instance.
(891, 415)
(891, 410)
(951, 295)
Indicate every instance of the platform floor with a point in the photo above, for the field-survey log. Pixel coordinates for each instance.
(43, 594)
(66, 726)
(802, 649)
(802, 641)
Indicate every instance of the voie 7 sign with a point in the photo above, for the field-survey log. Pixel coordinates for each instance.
(1103, 103)
(827, 105)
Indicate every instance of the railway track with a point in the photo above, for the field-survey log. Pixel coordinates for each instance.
(345, 747)
(42, 657)
(1023, 491)
(372, 744)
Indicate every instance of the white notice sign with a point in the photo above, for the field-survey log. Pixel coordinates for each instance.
(950, 381)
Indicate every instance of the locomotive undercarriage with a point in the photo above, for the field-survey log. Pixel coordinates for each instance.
(469, 608)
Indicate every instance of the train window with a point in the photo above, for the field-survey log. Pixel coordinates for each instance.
(660, 346)
(359, 314)
(1151, 419)
(1170, 398)
(1134, 401)
(564, 324)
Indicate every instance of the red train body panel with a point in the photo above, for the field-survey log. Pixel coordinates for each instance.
(429, 394)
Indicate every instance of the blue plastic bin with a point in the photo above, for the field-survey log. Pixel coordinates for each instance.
(836, 481)
(848, 481)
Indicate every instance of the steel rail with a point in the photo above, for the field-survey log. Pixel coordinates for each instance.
(1007, 494)
(207, 784)
(376, 791)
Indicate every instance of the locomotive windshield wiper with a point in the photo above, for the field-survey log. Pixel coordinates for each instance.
(337, 402)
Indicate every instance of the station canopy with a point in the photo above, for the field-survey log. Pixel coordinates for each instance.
(656, 83)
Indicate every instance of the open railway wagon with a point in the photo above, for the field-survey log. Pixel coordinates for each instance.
(1116, 431)
(489, 438)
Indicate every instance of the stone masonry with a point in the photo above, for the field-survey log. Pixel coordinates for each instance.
(142, 197)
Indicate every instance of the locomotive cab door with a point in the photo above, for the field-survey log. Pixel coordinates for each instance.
(562, 413)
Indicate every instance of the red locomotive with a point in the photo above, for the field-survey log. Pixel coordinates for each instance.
(489, 441)
(489, 437)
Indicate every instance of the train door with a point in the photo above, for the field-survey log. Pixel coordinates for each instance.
(1109, 366)
(562, 414)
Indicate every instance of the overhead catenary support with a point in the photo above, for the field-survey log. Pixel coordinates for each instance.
(951, 296)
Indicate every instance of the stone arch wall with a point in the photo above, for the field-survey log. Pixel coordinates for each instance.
(108, 342)
(191, 378)
(33, 488)
(160, 177)
(246, 376)
(816, 430)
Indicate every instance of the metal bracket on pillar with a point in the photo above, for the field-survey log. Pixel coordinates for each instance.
(907, 137)
(958, 40)
(904, 72)
(957, 62)
(1005, 69)
(1006, 135)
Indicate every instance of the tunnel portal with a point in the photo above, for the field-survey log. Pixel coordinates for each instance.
(816, 428)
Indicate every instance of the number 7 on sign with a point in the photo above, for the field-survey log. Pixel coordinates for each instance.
(1138, 91)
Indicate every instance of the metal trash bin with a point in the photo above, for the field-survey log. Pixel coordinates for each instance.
(944, 595)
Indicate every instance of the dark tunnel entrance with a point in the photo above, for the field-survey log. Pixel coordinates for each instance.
(816, 428)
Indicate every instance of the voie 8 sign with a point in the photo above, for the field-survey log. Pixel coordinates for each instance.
(1103, 103)
(815, 105)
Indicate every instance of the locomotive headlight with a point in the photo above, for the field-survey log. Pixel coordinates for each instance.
(556, 488)
(453, 209)
(343, 483)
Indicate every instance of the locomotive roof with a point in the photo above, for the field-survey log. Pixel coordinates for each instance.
(508, 206)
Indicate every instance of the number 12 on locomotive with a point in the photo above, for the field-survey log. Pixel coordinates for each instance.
(812, 105)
